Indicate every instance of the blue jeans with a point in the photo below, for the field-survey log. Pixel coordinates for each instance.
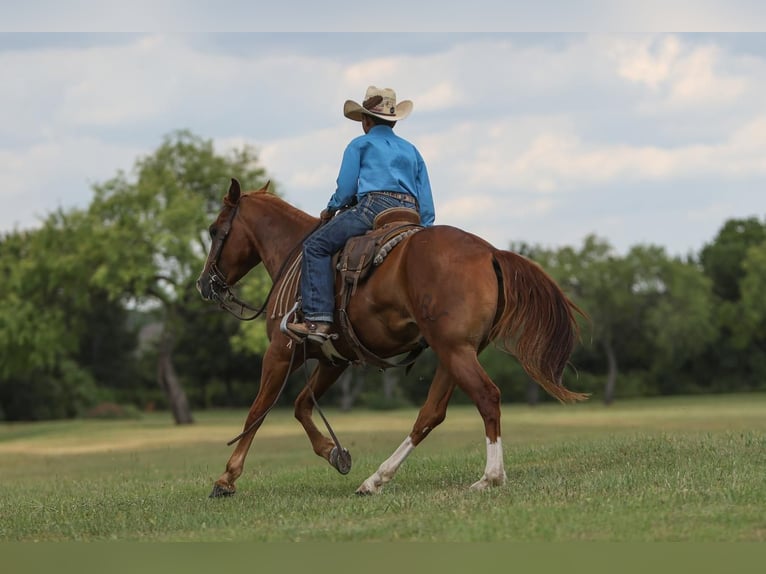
(317, 273)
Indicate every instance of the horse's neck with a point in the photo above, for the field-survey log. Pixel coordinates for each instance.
(278, 229)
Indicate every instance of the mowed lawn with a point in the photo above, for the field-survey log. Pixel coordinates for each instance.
(672, 469)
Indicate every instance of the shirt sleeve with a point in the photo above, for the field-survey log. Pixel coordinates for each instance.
(347, 183)
(425, 197)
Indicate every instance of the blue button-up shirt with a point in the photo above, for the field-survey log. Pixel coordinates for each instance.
(382, 161)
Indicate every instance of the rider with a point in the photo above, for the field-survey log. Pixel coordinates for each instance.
(379, 170)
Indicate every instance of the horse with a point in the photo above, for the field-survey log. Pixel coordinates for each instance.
(442, 286)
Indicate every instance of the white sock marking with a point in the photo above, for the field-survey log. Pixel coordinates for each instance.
(494, 472)
(387, 470)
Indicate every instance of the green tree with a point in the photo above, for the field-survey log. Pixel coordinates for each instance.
(679, 316)
(734, 262)
(648, 312)
(753, 287)
(43, 306)
(148, 233)
(745, 319)
(599, 281)
(217, 372)
(723, 257)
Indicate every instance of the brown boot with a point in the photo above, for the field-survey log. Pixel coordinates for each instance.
(317, 332)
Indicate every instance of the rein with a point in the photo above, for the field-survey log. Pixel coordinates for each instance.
(257, 421)
(339, 457)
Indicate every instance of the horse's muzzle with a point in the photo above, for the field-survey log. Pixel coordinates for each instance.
(205, 288)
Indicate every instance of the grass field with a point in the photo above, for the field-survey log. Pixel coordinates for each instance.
(675, 469)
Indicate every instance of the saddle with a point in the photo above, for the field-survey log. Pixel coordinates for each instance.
(363, 252)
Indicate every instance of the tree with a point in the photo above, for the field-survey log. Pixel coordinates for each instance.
(42, 321)
(148, 234)
(745, 320)
(216, 373)
(722, 258)
(734, 262)
(752, 288)
(679, 315)
(647, 310)
(599, 283)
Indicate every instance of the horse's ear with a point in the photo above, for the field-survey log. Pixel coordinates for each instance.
(234, 191)
(266, 185)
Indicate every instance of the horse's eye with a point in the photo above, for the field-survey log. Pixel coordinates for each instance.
(213, 231)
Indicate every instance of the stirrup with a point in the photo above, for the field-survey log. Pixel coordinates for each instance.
(293, 312)
(300, 336)
(321, 338)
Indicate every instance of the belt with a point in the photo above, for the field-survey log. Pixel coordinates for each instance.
(399, 196)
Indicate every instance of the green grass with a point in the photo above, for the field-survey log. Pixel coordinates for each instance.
(676, 469)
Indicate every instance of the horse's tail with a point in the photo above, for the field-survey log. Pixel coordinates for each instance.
(537, 323)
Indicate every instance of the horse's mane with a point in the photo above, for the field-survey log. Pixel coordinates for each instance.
(271, 197)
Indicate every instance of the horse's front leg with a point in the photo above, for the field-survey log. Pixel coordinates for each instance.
(322, 378)
(276, 362)
(431, 415)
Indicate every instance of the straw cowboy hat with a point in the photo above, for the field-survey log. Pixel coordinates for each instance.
(378, 102)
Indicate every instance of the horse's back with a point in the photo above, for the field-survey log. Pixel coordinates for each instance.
(443, 280)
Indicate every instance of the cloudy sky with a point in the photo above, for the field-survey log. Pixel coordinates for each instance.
(538, 137)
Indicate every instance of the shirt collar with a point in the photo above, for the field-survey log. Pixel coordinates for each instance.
(380, 129)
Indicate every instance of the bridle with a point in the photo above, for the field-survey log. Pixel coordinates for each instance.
(221, 291)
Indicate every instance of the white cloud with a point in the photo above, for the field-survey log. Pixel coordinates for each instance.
(682, 74)
(511, 126)
(304, 167)
(443, 95)
(648, 60)
(55, 173)
(557, 159)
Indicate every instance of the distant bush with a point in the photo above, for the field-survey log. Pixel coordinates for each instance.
(377, 400)
(112, 411)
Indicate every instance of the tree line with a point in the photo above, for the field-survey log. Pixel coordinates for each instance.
(99, 314)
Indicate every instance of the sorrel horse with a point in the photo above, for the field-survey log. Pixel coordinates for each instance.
(442, 285)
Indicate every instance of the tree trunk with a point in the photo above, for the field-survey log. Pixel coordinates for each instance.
(611, 376)
(168, 381)
(390, 380)
(532, 393)
(351, 384)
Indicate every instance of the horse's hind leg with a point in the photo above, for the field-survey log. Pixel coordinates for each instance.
(274, 372)
(473, 380)
(431, 415)
(321, 379)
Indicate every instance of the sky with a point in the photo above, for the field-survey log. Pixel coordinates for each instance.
(538, 137)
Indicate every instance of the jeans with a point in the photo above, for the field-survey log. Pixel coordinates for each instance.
(317, 273)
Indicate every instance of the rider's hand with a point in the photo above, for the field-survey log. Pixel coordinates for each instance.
(326, 215)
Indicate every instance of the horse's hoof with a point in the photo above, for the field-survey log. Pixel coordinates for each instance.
(220, 492)
(340, 460)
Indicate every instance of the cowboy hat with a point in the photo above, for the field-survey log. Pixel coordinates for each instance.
(380, 103)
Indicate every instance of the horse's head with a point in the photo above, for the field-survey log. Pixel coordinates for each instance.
(232, 251)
